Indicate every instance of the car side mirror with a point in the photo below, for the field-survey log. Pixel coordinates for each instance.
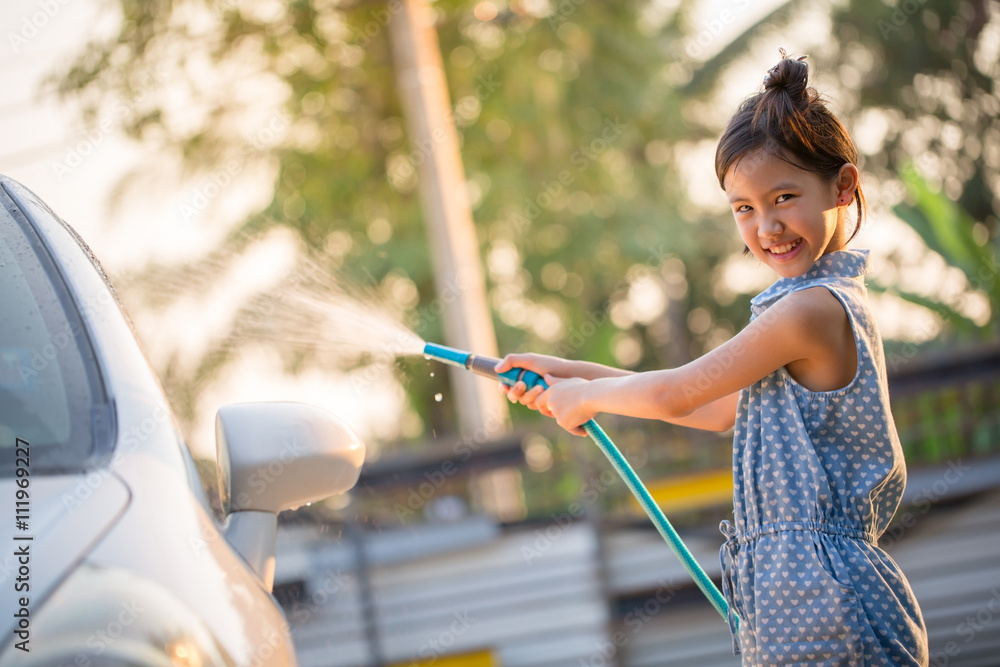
(278, 456)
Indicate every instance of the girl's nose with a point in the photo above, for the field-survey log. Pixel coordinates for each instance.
(769, 226)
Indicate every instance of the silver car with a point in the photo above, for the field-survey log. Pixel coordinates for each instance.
(111, 553)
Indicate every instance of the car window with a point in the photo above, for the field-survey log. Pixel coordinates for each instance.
(51, 394)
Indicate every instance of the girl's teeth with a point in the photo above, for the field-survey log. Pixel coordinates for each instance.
(782, 249)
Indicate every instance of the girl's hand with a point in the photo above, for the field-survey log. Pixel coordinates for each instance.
(566, 400)
(539, 363)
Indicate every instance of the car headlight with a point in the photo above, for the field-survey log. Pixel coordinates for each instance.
(111, 618)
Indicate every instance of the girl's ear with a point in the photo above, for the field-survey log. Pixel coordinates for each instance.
(846, 184)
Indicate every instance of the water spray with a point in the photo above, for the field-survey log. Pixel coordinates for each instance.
(484, 366)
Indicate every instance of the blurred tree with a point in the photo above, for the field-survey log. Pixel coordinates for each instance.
(926, 74)
(923, 78)
(571, 117)
(566, 114)
(951, 232)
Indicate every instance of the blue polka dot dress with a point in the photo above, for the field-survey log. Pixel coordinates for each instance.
(817, 477)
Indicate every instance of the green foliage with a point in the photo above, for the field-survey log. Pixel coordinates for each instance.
(924, 69)
(951, 232)
(567, 123)
(554, 114)
(920, 62)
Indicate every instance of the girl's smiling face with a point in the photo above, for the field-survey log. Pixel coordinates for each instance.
(789, 217)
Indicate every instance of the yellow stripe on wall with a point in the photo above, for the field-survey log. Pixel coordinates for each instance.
(475, 659)
(691, 492)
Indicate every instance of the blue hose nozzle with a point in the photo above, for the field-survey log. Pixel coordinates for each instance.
(447, 355)
(481, 365)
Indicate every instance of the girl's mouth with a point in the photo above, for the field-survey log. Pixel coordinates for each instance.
(785, 250)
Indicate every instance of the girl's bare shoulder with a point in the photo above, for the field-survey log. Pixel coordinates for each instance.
(820, 320)
(814, 311)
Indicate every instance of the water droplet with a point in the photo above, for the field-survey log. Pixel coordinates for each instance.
(438, 397)
(432, 374)
(427, 357)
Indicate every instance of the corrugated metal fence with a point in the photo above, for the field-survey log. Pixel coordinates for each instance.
(539, 597)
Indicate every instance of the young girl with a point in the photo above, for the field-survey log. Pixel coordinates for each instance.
(817, 467)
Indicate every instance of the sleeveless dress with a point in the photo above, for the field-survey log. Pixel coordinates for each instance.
(817, 477)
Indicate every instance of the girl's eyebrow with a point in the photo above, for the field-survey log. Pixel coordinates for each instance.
(788, 185)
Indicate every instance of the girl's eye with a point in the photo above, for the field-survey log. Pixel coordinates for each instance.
(784, 197)
(742, 208)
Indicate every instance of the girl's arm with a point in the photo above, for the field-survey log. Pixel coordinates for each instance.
(719, 415)
(805, 328)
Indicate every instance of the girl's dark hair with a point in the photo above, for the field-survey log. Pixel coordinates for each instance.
(791, 122)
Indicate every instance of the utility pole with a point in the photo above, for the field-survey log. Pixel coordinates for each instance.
(459, 272)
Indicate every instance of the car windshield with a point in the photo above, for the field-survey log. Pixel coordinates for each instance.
(51, 395)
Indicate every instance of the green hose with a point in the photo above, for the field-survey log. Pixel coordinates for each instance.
(484, 366)
(659, 519)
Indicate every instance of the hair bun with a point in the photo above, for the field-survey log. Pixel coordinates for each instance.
(789, 75)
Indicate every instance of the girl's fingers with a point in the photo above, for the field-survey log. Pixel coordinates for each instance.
(542, 403)
(575, 430)
(520, 394)
(516, 391)
(531, 396)
(509, 362)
